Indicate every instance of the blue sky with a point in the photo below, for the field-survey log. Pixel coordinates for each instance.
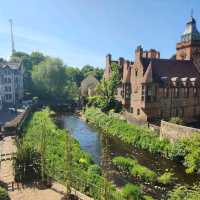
(83, 31)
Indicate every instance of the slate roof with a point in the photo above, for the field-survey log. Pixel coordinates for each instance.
(11, 65)
(171, 68)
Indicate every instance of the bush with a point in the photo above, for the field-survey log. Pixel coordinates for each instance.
(3, 194)
(135, 135)
(166, 178)
(124, 164)
(131, 192)
(147, 197)
(185, 193)
(131, 166)
(143, 173)
(176, 120)
(94, 169)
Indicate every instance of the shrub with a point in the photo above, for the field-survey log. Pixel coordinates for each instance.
(185, 193)
(166, 178)
(131, 166)
(135, 135)
(131, 192)
(177, 120)
(123, 163)
(143, 173)
(3, 194)
(147, 197)
(94, 169)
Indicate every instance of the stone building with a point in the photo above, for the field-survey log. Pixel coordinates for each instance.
(11, 83)
(88, 86)
(153, 88)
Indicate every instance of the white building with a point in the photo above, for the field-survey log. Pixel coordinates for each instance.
(11, 83)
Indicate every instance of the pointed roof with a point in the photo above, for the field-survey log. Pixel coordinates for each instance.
(11, 65)
(191, 32)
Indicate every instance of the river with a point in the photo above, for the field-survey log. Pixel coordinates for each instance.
(102, 148)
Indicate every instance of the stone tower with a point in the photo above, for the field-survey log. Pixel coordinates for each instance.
(189, 46)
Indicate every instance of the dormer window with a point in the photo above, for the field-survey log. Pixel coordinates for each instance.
(166, 92)
(195, 92)
(186, 92)
(176, 92)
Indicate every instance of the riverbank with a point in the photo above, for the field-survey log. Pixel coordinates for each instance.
(95, 141)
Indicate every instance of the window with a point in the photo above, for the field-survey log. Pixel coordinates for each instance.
(138, 111)
(194, 112)
(131, 110)
(186, 92)
(176, 92)
(143, 92)
(166, 92)
(195, 92)
(149, 94)
(136, 72)
(8, 96)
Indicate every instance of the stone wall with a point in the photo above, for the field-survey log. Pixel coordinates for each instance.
(174, 132)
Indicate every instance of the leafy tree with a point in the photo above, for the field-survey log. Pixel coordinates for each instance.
(106, 91)
(74, 75)
(90, 70)
(87, 70)
(107, 88)
(37, 57)
(28, 62)
(49, 79)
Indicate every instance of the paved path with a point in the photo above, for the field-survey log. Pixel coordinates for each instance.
(7, 148)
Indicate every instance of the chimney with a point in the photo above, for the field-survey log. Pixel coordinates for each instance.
(138, 52)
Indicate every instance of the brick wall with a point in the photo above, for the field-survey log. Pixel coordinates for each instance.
(174, 132)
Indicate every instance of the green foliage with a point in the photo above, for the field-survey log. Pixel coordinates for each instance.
(3, 194)
(132, 167)
(94, 169)
(123, 163)
(59, 163)
(90, 70)
(147, 197)
(192, 153)
(27, 163)
(131, 192)
(166, 178)
(131, 134)
(98, 102)
(49, 78)
(185, 193)
(28, 62)
(177, 120)
(106, 92)
(143, 173)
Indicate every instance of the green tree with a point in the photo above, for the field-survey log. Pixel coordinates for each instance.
(49, 79)
(37, 57)
(74, 75)
(90, 70)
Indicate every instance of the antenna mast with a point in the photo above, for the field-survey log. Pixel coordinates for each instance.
(12, 37)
